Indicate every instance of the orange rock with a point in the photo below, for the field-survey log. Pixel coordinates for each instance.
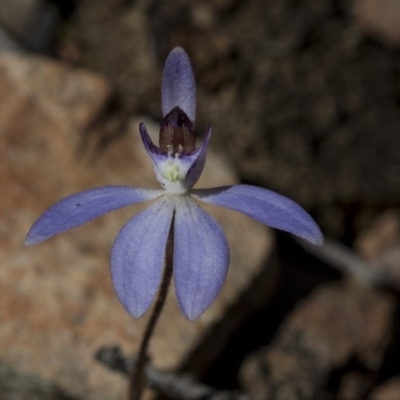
(57, 302)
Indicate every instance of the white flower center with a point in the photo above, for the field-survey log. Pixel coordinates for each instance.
(172, 173)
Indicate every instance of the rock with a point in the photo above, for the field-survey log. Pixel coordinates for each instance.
(354, 385)
(17, 14)
(15, 385)
(380, 237)
(389, 390)
(334, 324)
(58, 304)
(33, 23)
(380, 245)
(379, 18)
(8, 43)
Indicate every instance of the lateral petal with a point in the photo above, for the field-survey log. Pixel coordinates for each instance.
(197, 160)
(137, 257)
(201, 258)
(83, 207)
(264, 206)
(158, 157)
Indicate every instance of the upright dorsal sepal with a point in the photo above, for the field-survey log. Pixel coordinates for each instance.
(178, 87)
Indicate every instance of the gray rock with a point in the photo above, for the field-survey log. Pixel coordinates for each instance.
(31, 23)
(15, 385)
(323, 333)
(8, 42)
(389, 390)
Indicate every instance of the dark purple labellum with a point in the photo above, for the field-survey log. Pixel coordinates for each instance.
(176, 133)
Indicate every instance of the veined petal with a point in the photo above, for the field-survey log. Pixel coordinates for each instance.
(201, 258)
(83, 207)
(178, 88)
(137, 256)
(264, 206)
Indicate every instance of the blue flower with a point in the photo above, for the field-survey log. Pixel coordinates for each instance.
(201, 252)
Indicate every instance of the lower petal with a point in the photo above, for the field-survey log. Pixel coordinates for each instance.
(201, 258)
(137, 257)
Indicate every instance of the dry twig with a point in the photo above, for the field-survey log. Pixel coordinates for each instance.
(174, 385)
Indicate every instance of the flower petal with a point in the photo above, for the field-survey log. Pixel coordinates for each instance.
(197, 160)
(137, 257)
(83, 207)
(156, 154)
(264, 206)
(178, 87)
(201, 258)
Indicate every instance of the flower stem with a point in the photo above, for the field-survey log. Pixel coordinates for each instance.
(138, 377)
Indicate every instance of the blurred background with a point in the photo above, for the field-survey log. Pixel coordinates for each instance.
(303, 98)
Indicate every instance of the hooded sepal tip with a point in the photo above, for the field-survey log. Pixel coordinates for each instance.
(178, 88)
